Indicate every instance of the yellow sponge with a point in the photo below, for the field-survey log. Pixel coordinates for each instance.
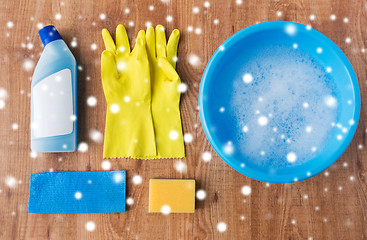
(171, 196)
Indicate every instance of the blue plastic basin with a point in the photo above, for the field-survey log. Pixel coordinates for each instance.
(217, 86)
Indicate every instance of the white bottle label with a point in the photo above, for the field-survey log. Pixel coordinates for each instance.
(53, 105)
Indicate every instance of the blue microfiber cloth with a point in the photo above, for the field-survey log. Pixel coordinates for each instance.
(77, 192)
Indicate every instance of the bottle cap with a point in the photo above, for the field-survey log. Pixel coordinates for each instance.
(49, 34)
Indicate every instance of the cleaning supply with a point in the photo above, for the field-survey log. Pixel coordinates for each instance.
(53, 96)
(77, 192)
(171, 196)
(129, 130)
(165, 94)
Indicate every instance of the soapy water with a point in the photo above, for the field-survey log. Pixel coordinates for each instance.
(283, 106)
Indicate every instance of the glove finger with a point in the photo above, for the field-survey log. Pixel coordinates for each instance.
(168, 69)
(172, 47)
(160, 37)
(139, 50)
(108, 41)
(122, 41)
(108, 66)
(151, 42)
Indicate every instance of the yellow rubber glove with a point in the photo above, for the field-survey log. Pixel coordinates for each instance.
(129, 130)
(165, 94)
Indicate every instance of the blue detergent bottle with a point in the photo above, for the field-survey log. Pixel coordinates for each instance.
(54, 96)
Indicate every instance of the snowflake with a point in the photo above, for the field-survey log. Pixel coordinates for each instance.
(137, 179)
(106, 165)
(93, 46)
(198, 31)
(188, 137)
(102, 16)
(201, 194)
(129, 201)
(169, 18)
(180, 166)
(11, 182)
(247, 77)
(15, 126)
(118, 177)
(228, 148)
(28, 65)
(222, 226)
(165, 210)
(58, 16)
(182, 87)
(194, 60)
(246, 190)
(206, 156)
(78, 195)
(91, 101)
(90, 226)
(10, 24)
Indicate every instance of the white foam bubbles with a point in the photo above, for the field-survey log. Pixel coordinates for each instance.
(293, 87)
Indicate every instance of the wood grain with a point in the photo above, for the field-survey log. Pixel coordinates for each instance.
(336, 207)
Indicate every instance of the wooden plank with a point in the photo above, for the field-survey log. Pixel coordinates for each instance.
(335, 206)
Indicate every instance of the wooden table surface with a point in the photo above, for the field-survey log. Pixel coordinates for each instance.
(332, 205)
